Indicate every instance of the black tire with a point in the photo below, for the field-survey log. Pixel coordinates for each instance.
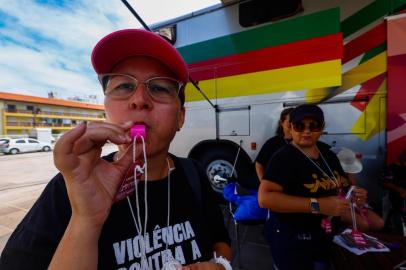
(13, 151)
(219, 161)
(46, 148)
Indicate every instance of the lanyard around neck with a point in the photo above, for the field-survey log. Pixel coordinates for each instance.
(332, 177)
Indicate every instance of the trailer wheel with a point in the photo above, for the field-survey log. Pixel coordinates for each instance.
(219, 161)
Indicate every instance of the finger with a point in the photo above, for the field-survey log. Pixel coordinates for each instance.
(127, 125)
(117, 127)
(361, 195)
(345, 204)
(65, 143)
(361, 190)
(96, 136)
(63, 149)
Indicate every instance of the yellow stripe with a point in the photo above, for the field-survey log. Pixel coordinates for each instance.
(358, 75)
(373, 117)
(322, 74)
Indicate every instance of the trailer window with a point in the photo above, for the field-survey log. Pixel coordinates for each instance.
(234, 121)
(168, 32)
(255, 12)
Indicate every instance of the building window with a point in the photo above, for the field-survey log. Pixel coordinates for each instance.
(11, 108)
(30, 108)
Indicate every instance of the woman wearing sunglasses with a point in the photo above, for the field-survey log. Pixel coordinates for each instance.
(302, 187)
(272, 145)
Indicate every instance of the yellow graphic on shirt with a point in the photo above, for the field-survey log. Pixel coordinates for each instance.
(326, 183)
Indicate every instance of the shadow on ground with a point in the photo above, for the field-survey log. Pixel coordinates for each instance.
(250, 248)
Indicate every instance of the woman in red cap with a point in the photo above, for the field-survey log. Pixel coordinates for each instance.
(81, 222)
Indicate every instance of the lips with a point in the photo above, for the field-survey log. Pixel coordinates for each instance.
(141, 123)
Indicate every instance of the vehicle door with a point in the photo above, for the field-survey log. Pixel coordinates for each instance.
(21, 145)
(34, 145)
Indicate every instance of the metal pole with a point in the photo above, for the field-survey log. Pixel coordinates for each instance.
(130, 8)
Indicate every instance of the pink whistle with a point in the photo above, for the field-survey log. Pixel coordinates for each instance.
(138, 130)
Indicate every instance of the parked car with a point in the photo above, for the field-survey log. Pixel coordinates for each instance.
(20, 145)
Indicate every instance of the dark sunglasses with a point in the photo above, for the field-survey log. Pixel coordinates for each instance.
(312, 126)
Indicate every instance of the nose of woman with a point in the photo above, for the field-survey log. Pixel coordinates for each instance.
(140, 99)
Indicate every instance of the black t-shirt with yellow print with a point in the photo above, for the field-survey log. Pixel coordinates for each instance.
(299, 176)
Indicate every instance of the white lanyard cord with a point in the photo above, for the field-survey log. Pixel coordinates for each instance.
(328, 167)
(137, 220)
(332, 178)
(353, 216)
(144, 169)
(169, 198)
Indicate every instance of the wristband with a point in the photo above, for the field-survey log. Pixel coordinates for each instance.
(222, 261)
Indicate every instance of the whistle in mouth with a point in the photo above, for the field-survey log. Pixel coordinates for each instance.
(138, 130)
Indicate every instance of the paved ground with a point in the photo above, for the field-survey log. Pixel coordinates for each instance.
(24, 176)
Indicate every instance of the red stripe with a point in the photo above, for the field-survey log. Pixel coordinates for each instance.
(368, 89)
(396, 87)
(367, 41)
(293, 54)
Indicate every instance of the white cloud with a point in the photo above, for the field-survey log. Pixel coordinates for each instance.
(46, 47)
(35, 71)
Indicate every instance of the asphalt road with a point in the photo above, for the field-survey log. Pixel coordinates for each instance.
(22, 179)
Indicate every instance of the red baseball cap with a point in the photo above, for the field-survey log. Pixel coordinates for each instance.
(122, 44)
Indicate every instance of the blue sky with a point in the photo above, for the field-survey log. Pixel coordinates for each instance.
(45, 45)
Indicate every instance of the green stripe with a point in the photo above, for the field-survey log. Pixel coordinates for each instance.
(369, 14)
(300, 28)
(398, 6)
(372, 53)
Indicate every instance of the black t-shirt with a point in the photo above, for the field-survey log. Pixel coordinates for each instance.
(193, 228)
(298, 176)
(396, 174)
(270, 147)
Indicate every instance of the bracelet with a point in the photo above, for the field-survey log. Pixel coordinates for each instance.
(222, 261)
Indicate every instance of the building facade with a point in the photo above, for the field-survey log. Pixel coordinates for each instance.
(20, 113)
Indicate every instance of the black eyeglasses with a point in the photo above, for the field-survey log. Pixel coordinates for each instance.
(122, 86)
(312, 126)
